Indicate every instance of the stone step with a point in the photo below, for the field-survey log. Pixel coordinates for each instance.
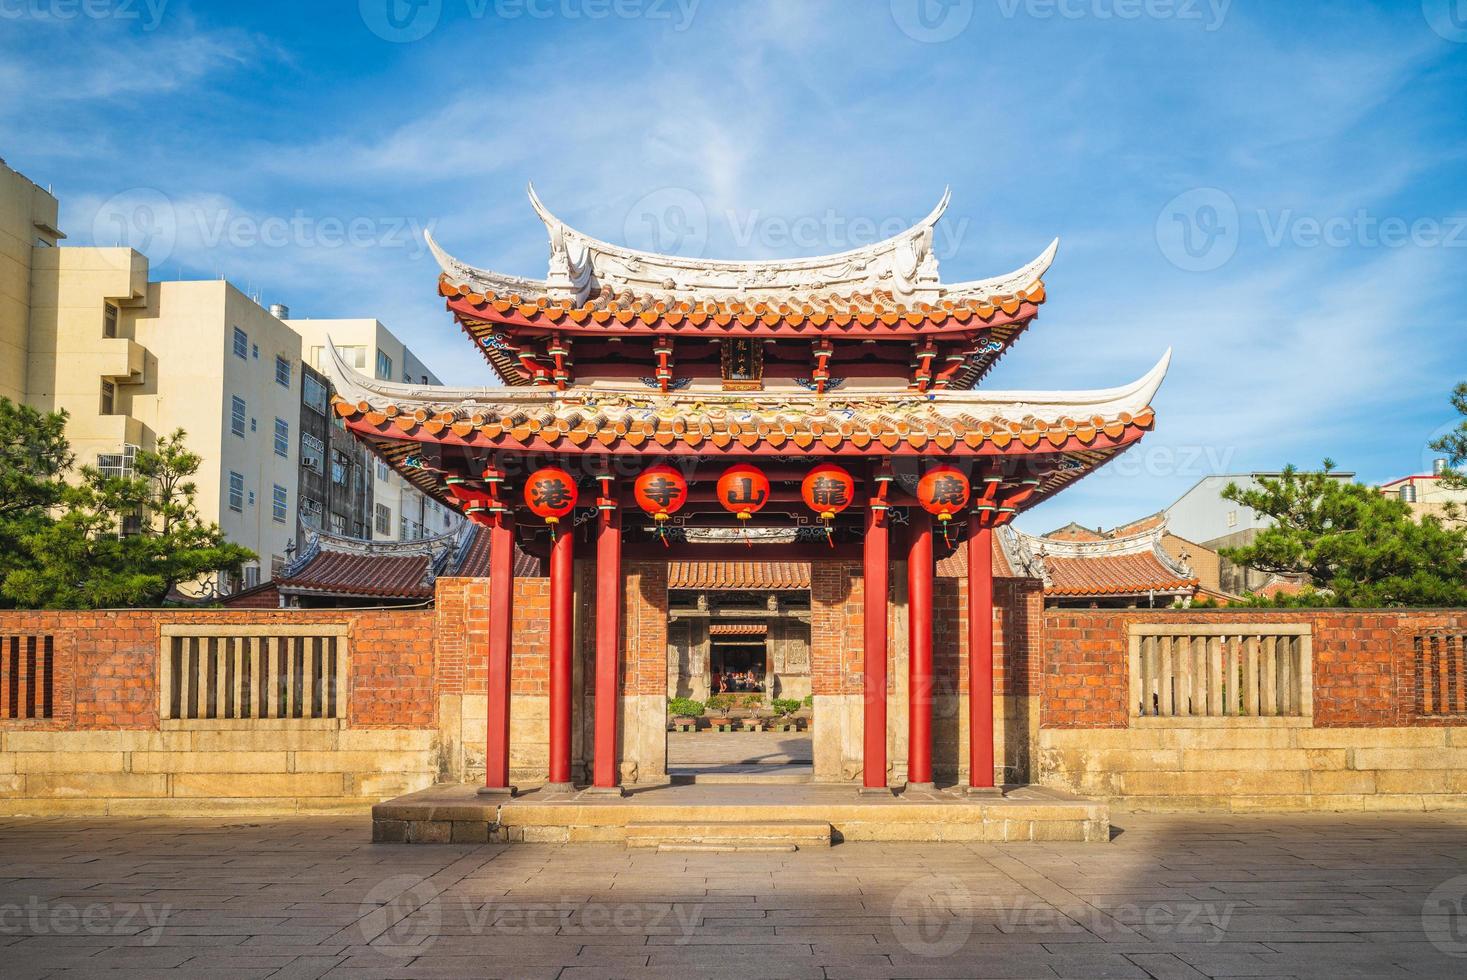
(740, 775)
(761, 835)
(740, 779)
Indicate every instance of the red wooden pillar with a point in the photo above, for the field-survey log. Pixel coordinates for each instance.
(920, 571)
(876, 572)
(980, 653)
(608, 646)
(562, 619)
(501, 632)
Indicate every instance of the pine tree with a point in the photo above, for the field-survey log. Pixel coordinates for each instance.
(1358, 546)
(124, 540)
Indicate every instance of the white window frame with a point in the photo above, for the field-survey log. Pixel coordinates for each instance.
(236, 492)
(238, 415)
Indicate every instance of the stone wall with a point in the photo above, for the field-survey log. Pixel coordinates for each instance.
(1366, 742)
(107, 746)
(1386, 724)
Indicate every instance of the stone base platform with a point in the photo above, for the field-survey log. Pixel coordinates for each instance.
(451, 813)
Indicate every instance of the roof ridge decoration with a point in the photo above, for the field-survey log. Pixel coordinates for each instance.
(319, 539)
(1050, 407)
(1140, 543)
(583, 268)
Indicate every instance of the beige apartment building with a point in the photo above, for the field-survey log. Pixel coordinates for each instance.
(27, 225)
(400, 512)
(85, 330)
(1429, 493)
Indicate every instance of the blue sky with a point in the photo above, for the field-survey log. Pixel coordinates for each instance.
(1276, 190)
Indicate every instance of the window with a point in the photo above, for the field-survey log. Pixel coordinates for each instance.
(384, 366)
(310, 511)
(279, 504)
(338, 524)
(237, 415)
(384, 519)
(282, 438)
(382, 470)
(117, 464)
(241, 344)
(255, 351)
(109, 398)
(314, 395)
(109, 320)
(355, 356)
(282, 371)
(1240, 671)
(251, 576)
(313, 453)
(236, 492)
(340, 467)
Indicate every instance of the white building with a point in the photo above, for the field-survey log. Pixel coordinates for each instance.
(85, 330)
(400, 512)
(1204, 516)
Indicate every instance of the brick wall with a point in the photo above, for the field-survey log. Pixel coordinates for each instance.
(1364, 662)
(836, 628)
(106, 667)
(644, 630)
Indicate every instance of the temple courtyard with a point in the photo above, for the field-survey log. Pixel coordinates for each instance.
(1171, 896)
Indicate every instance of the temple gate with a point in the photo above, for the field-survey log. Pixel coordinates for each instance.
(823, 411)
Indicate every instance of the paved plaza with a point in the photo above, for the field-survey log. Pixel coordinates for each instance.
(1170, 897)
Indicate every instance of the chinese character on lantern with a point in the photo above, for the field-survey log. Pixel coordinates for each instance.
(943, 492)
(743, 490)
(551, 494)
(828, 490)
(660, 491)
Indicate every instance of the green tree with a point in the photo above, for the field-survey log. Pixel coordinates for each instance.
(124, 541)
(33, 456)
(1453, 446)
(1358, 546)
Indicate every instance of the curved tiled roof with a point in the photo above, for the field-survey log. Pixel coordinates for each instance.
(379, 576)
(1099, 575)
(834, 310)
(1134, 564)
(630, 418)
(340, 566)
(592, 281)
(708, 576)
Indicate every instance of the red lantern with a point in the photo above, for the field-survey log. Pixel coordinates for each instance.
(551, 494)
(828, 489)
(943, 492)
(661, 491)
(743, 490)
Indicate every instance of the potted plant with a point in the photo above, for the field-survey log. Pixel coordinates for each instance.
(785, 708)
(752, 703)
(720, 704)
(685, 713)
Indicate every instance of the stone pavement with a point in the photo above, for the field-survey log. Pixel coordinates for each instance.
(1315, 895)
(734, 748)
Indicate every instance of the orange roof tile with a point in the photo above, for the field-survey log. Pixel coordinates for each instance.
(853, 310)
(738, 629)
(771, 576)
(1112, 575)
